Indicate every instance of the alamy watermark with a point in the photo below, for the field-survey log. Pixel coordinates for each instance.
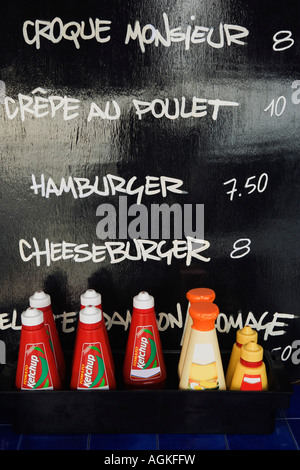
(2, 352)
(160, 221)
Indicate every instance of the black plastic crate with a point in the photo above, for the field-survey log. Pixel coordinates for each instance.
(148, 411)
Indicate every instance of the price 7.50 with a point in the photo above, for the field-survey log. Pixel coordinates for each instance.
(252, 184)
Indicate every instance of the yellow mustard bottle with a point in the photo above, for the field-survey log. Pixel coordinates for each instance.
(250, 372)
(203, 368)
(199, 294)
(243, 336)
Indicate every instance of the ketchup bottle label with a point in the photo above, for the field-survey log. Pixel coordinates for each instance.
(48, 331)
(145, 362)
(92, 369)
(36, 372)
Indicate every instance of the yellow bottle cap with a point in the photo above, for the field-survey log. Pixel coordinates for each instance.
(252, 352)
(201, 294)
(245, 335)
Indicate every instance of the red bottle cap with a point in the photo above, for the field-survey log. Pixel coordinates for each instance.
(39, 299)
(201, 294)
(204, 315)
(32, 317)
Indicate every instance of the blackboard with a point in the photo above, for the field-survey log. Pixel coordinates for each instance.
(115, 112)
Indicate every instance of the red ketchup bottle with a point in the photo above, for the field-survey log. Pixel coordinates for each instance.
(36, 367)
(92, 368)
(144, 365)
(42, 301)
(91, 297)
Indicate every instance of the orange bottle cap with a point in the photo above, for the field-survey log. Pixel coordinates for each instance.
(245, 335)
(252, 352)
(201, 294)
(204, 315)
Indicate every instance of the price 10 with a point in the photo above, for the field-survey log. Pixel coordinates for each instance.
(252, 184)
(278, 106)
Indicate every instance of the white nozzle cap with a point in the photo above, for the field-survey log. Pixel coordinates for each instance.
(90, 315)
(143, 301)
(39, 300)
(32, 317)
(90, 297)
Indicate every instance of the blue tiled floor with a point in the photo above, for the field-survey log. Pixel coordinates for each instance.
(285, 437)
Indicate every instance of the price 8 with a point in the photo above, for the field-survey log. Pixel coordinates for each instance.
(252, 184)
(282, 40)
(241, 248)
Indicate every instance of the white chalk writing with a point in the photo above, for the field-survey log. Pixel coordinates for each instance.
(272, 324)
(56, 30)
(114, 252)
(39, 106)
(226, 34)
(106, 185)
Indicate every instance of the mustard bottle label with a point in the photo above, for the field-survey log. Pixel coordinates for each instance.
(145, 362)
(203, 372)
(36, 373)
(92, 369)
(251, 382)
